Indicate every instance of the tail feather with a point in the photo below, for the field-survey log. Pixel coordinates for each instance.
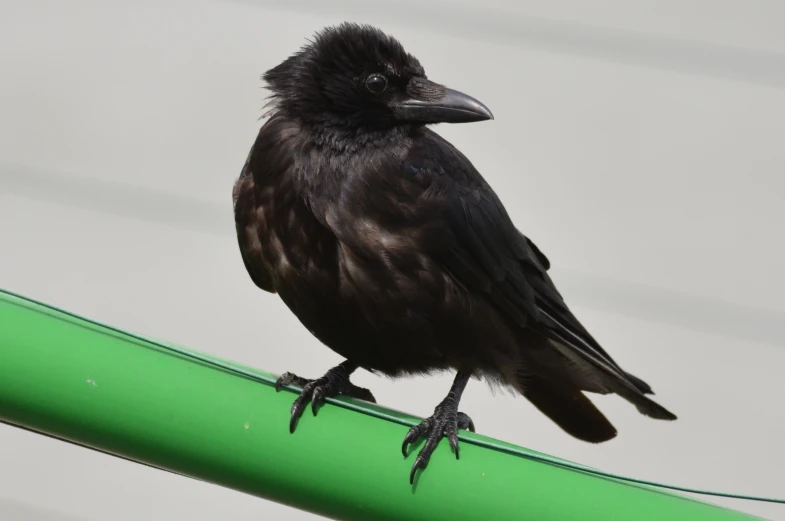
(640, 384)
(569, 408)
(644, 405)
(628, 386)
(575, 344)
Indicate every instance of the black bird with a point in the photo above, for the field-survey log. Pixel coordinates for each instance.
(390, 247)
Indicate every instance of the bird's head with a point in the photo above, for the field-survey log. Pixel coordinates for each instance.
(355, 76)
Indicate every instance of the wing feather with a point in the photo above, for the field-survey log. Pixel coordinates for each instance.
(491, 256)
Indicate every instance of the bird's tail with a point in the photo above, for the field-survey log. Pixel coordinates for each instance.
(569, 408)
(611, 378)
(626, 385)
(644, 405)
(640, 384)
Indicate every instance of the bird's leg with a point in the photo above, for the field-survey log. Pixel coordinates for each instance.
(445, 421)
(335, 382)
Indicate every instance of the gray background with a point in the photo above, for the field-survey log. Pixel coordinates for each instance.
(639, 143)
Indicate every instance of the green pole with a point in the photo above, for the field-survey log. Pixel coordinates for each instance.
(85, 383)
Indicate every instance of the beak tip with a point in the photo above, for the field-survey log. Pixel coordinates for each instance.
(452, 107)
(485, 111)
(484, 114)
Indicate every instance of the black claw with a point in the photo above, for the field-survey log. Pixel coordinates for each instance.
(290, 379)
(453, 439)
(419, 463)
(465, 422)
(317, 399)
(334, 383)
(413, 435)
(445, 422)
(361, 393)
(414, 471)
(406, 441)
(297, 411)
(281, 381)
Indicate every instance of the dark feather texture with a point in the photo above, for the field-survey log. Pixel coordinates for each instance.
(391, 248)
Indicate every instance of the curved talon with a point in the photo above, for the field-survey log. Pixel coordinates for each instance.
(414, 434)
(317, 399)
(445, 422)
(282, 380)
(465, 422)
(361, 393)
(334, 383)
(424, 456)
(296, 412)
(290, 379)
(452, 437)
(406, 442)
(419, 463)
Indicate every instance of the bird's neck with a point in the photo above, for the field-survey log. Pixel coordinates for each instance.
(343, 139)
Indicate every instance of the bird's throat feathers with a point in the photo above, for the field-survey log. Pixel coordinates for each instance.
(339, 140)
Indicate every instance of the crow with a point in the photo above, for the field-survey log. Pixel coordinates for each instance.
(393, 251)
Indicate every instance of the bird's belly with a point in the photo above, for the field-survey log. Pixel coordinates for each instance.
(388, 314)
(387, 334)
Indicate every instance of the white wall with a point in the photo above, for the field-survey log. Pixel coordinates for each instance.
(638, 143)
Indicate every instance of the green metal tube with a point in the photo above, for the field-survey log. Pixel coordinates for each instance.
(85, 383)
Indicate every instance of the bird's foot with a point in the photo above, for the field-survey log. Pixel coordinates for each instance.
(334, 383)
(445, 421)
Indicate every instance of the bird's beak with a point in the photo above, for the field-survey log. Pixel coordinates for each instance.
(430, 102)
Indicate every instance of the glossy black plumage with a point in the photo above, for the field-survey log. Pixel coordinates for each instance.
(391, 248)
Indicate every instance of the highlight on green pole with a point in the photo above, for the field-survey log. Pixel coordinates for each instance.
(96, 386)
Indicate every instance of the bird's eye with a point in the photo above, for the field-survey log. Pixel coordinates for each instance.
(376, 83)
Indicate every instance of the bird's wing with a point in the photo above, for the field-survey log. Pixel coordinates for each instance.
(269, 157)
(488, 254)
(247, 235)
